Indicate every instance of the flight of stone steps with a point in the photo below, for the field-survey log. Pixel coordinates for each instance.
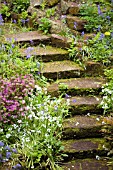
(83, 136)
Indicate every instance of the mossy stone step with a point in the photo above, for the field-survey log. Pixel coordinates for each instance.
(88, 164)
(61, 69)
(31, 37)
(46, 53)
(75, 86)
(85, 148)
(81, 126)
(84, 104)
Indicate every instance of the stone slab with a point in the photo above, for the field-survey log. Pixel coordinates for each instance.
(33, 37)
(75, 86)
(61, 69)
(83, 126)
(45, 53)
(87, 164)
(85, 104)
(85, 148)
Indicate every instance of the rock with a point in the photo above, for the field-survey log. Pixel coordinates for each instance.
(60, 41)
(52, 2)
(69, 7)
(36, 3)
(57, 27)
(39, 13)
(75, 23)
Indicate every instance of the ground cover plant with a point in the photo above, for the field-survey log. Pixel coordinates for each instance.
(30, 120)
(98, 47)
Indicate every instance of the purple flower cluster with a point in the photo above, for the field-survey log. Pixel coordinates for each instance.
(12, 96)
(1, 20)
(6, 152)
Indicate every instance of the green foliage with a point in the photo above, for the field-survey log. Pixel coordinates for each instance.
(72, 50)
(11, 63)
(99, 17)
(50, 12)
(43, 5)
(5, 10)
(45, 25)
(107, 91)
(19, 6)
(100, 48)
(38, 133)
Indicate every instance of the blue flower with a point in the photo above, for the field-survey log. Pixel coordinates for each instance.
(99, 10)
(74, 100)
(75, 25)
(0, 156)
(82, 33)
(15, 21)
(14, 150)
(67, 96)
(101, 36)
(7, 148)
(17, 167)
(1, 20)
(1, 144)
(8, 155)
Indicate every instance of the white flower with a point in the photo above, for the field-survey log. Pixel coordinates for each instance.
(8, 135)
(88, 114)
(1, 130)
(38, 87)
(27, 140)
(19, 121)
(103, 123)
(77, 124)
(97, 119)
(97, 157)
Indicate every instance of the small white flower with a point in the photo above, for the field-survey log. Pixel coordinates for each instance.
(97, 157)
(38, 87)
(19, 121)
(77, 124)
(1, 130)
(88, 114)
(103, 123)
(8, 135)
(97, 119)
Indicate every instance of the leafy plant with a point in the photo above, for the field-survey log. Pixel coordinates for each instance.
(99, 17)
(6, 152)
(50, 12)
(45, 25)
(19, 6)
(100, 48)
(107, 91)
(38, 133)
(5, 11)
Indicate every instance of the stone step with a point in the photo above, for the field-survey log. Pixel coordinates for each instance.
(31, 37)
(81, 126)
(45, 53)
(88, 164)
(75, 86)
(84, 104)
(85, 148)
(61, 69)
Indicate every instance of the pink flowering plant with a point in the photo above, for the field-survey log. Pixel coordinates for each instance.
(13, 94)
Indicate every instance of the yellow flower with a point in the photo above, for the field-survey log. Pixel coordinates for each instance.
(107, 33)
